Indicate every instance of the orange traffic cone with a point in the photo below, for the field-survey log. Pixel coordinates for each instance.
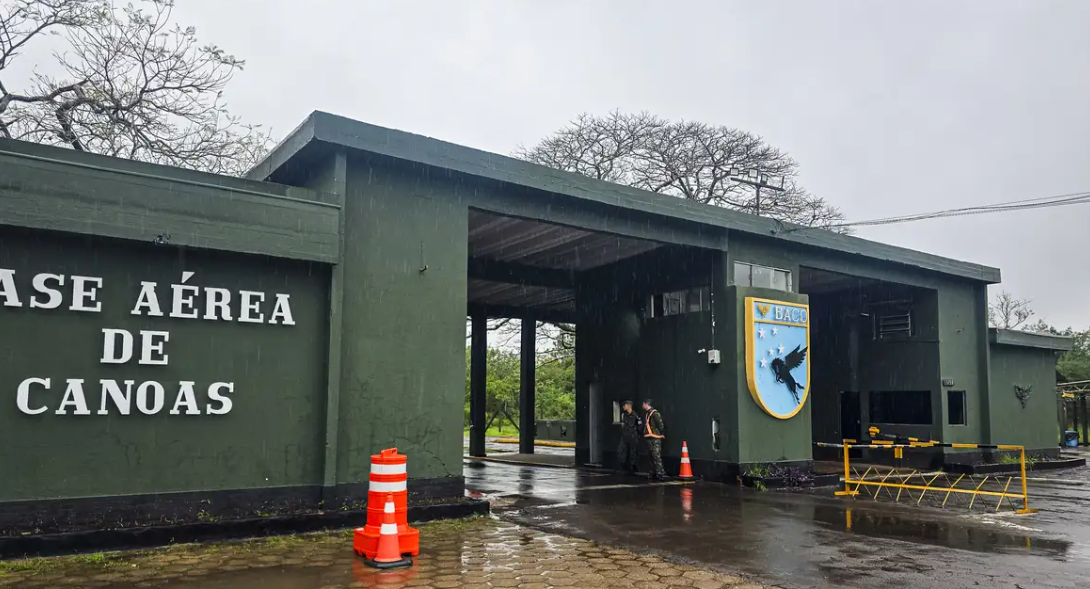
(686, 470)
(389, 548)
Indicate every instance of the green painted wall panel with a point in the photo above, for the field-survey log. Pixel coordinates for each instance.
(403, 337)
(761, 437)
(1034, 426)
(270, 438)
(962, 356)
(111, 199)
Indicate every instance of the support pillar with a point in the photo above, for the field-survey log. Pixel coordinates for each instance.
(527, 380)
(478, 378)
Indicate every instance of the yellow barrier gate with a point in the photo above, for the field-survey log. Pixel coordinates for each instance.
(937, 487)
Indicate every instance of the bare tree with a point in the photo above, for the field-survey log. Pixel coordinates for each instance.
(555, 341)
(685, 159)
(129, 83)
(1008, 312)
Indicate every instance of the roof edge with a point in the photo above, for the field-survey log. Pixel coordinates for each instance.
(420, 149)
(284, 151)
(1029, 339)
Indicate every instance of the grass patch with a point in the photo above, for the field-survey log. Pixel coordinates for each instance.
(497, 432)
(41, 566)
(758, 471)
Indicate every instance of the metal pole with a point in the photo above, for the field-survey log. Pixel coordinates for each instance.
(758, 200)
(1025, 489)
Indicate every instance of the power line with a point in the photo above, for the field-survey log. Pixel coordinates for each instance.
(1059, 200)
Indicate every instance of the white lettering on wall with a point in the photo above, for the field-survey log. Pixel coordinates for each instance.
(74, 396)
(47, 291)
(41, 285)
(157, 395)
(22, 396)
(251, 303)
(117, 397)
(216, 301)
(7, 288)
(121, 400)
(111, 352)
(84, 291)
(188, 397)
(147, 300)
(214, 395)
(151, 347)
(184, 299)
(282, 310)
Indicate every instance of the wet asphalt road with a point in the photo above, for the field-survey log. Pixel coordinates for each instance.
(807, 539)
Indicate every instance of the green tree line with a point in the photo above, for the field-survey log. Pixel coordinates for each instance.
(555, 387)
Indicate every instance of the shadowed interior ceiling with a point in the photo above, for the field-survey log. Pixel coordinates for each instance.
(518, 263)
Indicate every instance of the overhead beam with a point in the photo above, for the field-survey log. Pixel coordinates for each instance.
(505, 312)
(515, 273)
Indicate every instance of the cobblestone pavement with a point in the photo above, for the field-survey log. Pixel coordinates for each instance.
(456, 555)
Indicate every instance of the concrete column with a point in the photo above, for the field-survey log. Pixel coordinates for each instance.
(527, 397)
(478, 377)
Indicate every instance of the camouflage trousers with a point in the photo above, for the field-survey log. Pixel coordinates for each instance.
(627, 453)
(655, 445)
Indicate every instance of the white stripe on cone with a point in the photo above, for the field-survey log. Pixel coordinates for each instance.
(381, 487)
(685, 460)
(389, 507)
(388, 529)
(387, 468)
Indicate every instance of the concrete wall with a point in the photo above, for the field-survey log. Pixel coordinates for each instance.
(1035, 425)
(271, 437)
(635, 357)
(761, 437)
(403, 329)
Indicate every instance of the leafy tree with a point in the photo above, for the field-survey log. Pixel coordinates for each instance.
(128, 83)
(1075, 364)
(685, 159)
(554, 382)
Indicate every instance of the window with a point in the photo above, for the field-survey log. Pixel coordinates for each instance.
(901, 407)
(893, 326)
(955, 407)
(762, 276)
(616, 412)
(692, 300)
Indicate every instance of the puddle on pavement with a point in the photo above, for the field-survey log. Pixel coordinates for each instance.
(960, 533)
(455, 555)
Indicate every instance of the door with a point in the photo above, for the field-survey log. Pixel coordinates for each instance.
(851, 426)
(594, 429)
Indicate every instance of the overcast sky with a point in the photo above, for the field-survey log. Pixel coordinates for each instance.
(889, 107)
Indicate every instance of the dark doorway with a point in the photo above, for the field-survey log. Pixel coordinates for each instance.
(850, 418)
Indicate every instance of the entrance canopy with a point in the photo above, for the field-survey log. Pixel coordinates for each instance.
(518, 265)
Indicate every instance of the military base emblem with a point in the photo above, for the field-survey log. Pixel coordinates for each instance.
(777, 343)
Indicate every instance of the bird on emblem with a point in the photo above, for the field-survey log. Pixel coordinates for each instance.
(782, 368)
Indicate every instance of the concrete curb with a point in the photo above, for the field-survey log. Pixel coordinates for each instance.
(517, 462)
(156, 536)
(548, 443)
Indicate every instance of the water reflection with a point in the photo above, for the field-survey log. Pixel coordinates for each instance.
(952, 534)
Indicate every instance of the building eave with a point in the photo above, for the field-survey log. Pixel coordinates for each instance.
(1027, 339)
(418, 149)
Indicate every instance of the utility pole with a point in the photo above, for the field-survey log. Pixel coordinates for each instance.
(758, 180)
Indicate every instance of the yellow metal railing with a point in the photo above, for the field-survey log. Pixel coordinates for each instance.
(877, 482)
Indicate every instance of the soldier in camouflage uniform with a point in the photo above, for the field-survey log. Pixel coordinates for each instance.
(631, 426)
(654, 433)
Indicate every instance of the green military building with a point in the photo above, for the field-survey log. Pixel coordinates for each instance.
(173, 339)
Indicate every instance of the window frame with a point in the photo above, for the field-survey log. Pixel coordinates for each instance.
(872, 395)
(964, 408)
(788, 275)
